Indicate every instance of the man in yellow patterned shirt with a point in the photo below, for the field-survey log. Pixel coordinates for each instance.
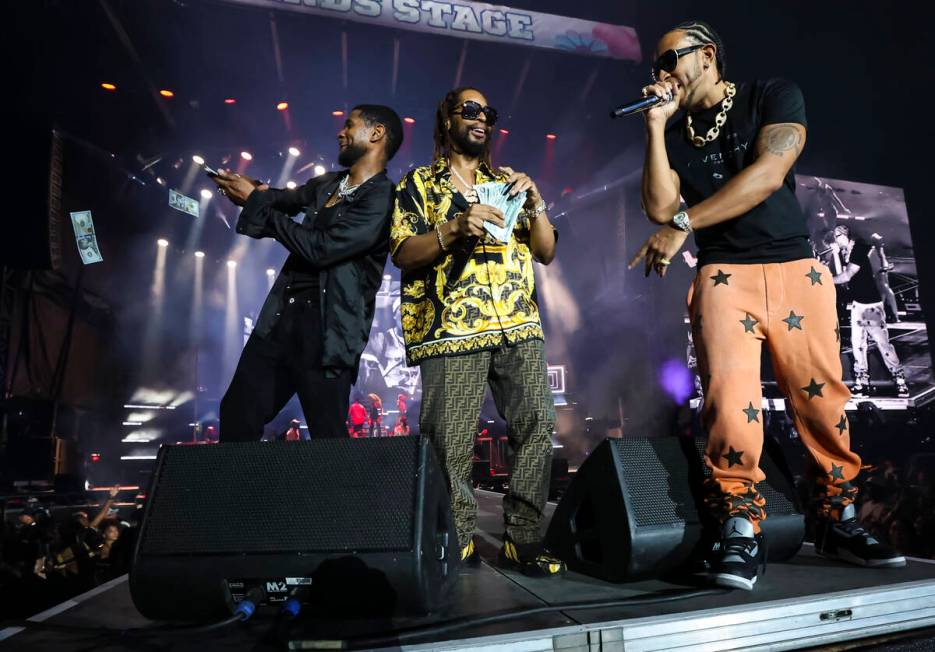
(470, 318)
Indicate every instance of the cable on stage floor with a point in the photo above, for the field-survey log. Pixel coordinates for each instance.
(410, 633)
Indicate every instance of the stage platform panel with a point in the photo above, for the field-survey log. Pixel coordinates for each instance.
(804, 602)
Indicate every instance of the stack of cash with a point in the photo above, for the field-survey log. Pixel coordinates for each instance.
(493, 194)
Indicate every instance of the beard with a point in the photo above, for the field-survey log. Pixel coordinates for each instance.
(461, 139)
(350, 155)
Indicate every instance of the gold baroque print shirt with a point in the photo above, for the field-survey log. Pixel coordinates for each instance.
(491, 302)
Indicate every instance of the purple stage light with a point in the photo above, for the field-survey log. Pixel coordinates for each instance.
(676, 380)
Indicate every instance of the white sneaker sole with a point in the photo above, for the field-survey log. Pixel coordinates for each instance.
(850, 558)
(730, 581)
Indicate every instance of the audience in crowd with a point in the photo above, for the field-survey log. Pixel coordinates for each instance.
(898, 506)
(47, 557)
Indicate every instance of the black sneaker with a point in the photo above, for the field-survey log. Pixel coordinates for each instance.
(469, 554)
(529, 559)
(737, 556)
(902, 389)
(846, 540)
(861, 386)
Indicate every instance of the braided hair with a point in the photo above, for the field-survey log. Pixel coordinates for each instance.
(441, 137)
(703, 34)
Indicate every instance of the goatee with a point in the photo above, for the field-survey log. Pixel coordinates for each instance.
(350, 155)
(463, 141)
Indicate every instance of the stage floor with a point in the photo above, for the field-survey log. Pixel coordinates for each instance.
(801, 603)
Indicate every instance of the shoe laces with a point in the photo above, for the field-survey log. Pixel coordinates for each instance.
(852, 528)
(739, 546)
(745, 546)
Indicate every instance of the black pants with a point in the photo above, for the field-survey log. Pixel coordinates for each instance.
(272, 369)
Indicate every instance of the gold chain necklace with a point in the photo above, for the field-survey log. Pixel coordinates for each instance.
(471, 194)
(719, 119)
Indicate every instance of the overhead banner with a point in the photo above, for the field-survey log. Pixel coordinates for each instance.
(476, 20)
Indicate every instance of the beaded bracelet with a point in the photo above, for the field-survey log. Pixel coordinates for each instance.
(438, 233)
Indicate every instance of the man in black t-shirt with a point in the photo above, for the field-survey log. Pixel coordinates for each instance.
(731, 156)
(859, 288)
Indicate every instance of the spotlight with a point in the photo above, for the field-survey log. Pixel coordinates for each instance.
(294, 151)
(271, 272)
(160, 181)
(108, 86)
(290, 185)
(247, 156)
(197, 159)
(338, 113)
(199, 254)
(162, 242)
(551, 136)
(319, 170)
(230, 100)
(231, 264)
(282, 106)
(504, 131)
(409, 121)
(206, 194)
(166, 93)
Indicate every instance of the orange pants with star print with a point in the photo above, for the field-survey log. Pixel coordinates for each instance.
(734, 310)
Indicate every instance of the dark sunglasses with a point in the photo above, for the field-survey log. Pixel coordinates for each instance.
(669, 59)
(471, 110)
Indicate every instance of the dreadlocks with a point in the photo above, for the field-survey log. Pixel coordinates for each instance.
(442, 140)
(702, 34)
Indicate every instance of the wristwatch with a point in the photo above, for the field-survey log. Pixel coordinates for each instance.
(681, 222)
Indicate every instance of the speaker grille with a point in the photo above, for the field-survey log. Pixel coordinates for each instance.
(777, 490)
(656, 479)
(253, 497)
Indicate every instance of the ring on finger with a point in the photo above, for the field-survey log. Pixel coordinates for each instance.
(664, 261)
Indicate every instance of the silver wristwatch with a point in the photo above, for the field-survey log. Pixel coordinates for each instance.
(681, 222)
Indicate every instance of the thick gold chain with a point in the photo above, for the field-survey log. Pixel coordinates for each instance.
(719, 120)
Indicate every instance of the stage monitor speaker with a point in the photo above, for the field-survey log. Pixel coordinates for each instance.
(634, 509)
(359, 526)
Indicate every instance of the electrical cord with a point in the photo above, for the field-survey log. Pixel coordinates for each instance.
(242, 612)
(410, 633)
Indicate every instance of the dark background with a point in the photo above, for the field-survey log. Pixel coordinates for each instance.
(863, 68)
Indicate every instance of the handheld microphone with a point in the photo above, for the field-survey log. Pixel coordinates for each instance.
(638, 106)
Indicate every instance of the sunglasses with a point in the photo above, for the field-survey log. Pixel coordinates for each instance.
(669, 59)
(471, 110)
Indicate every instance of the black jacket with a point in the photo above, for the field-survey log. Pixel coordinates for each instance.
(349, 253)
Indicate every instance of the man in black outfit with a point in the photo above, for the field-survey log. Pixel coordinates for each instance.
(316, 319)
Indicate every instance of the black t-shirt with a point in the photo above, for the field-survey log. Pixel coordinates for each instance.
(773, 231)
(862, 287)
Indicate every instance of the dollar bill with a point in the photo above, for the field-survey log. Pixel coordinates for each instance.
(87, 247)
(180, 202)
(85, 237)
(82, 223)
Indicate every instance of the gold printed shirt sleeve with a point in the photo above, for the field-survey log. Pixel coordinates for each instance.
(408, 212)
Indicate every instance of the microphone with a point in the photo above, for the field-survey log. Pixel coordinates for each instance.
(638, 106)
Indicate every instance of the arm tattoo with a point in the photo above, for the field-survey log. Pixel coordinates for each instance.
(781, 139)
